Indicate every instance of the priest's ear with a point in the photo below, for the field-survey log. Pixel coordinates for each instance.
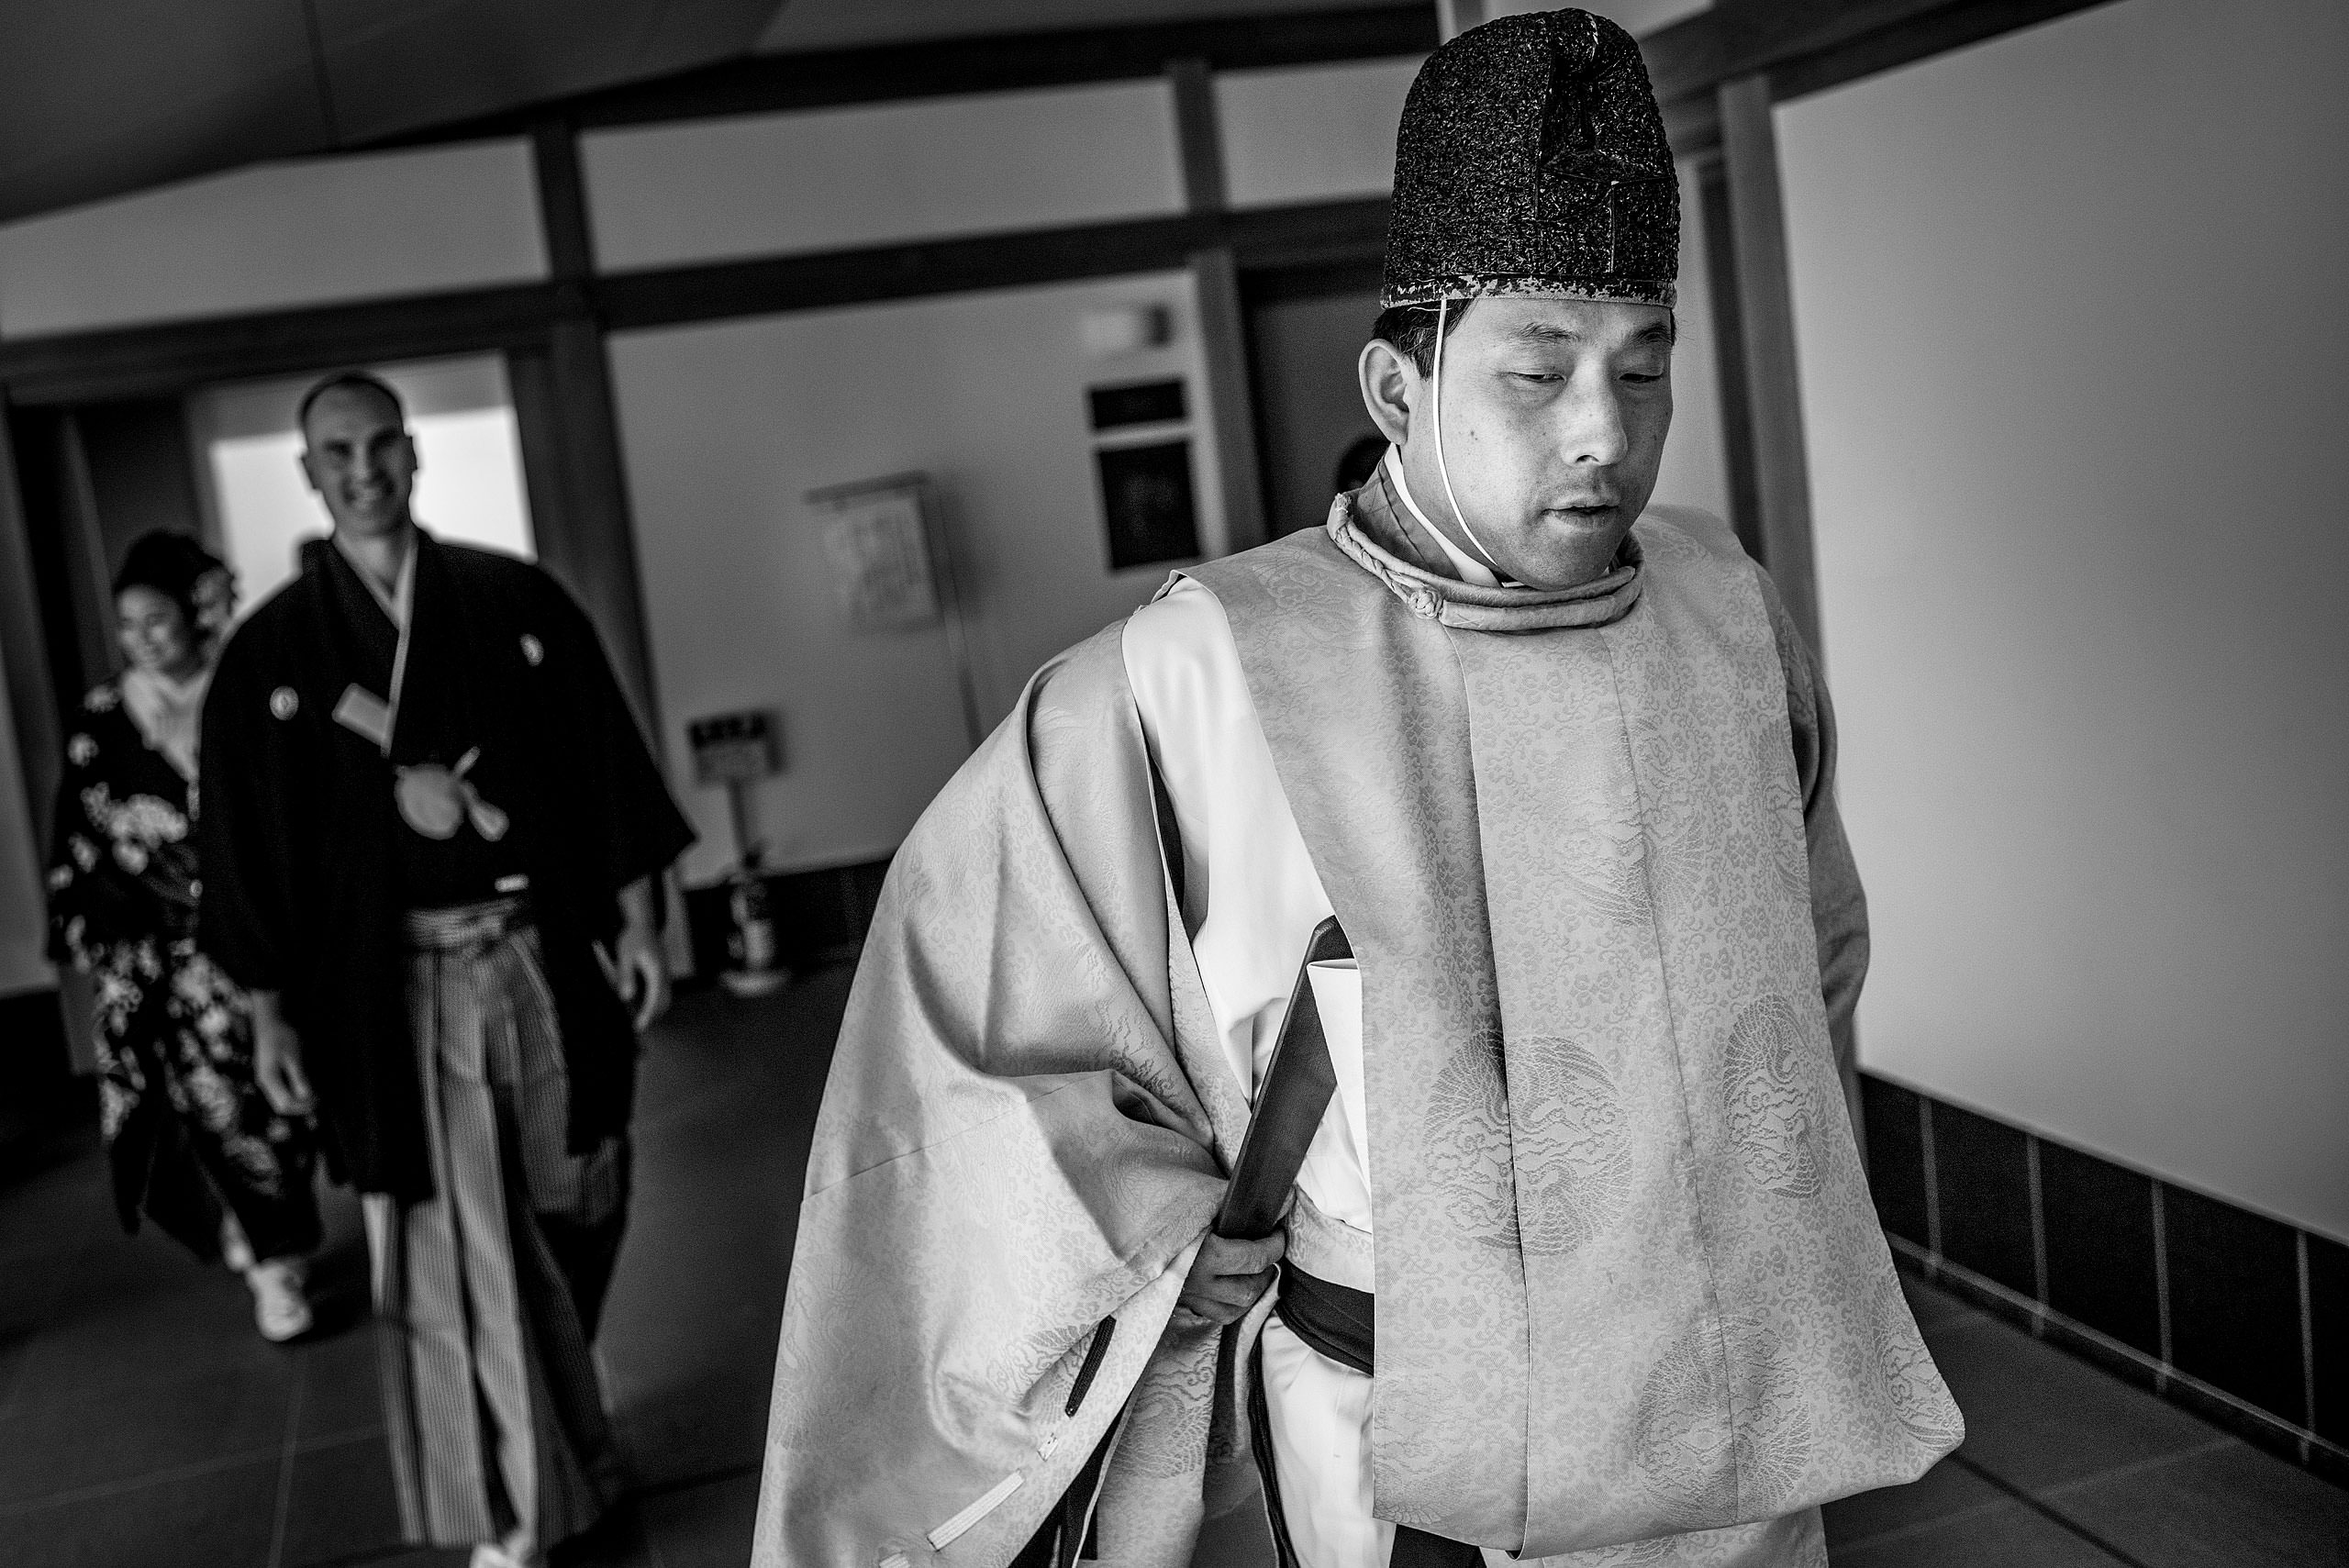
(1391, 385)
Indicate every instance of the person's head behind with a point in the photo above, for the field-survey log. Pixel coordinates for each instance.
(357, 454)
(159, 613)
(1536, 216)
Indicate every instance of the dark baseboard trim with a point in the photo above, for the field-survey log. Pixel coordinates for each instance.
(2238, 1316)
(2133, 1366)
(820, 918)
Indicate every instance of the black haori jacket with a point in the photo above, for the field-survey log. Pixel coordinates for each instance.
(297, 839)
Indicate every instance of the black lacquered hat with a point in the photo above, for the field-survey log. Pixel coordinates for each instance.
(1531, 160)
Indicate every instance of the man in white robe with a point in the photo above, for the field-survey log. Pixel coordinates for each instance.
(1580, 1265)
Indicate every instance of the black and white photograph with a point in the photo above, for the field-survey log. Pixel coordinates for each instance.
(1174, 784)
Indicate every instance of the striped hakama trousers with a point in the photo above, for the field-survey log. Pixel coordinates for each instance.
(489, 1291)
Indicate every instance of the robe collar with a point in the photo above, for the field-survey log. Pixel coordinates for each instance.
(1375, 530)
(166, 713)
(400, 601)
(1464, 566)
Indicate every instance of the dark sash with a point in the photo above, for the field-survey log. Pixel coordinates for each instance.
(1298, 1083)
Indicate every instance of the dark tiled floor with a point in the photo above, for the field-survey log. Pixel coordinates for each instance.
(143, 1422)
(2064, 1465)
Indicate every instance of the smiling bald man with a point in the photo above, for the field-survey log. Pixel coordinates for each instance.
(431, 831)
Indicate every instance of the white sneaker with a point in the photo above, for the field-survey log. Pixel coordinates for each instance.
(511, 1553)
(279, 1306)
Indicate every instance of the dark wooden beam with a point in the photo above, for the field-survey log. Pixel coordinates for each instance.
(770, 83)
(562, 200)
(1938, 32)
(1693, 57)
(134, 362)
(88, 574)
(1198, 136)
(1766, 329)
(698, 292)
(1720, 281)
(1822, 42)
(24, 653)
(579, 502)
(1223, 320)
(569, 427)
(1328, 232)
(1262, 287)
(1223, 349)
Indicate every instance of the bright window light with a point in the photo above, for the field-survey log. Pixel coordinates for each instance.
(468, 489)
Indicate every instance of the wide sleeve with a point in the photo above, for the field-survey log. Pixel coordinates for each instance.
(244, 920)
(1011, 1171)
(94, 903)
(636, 829)
(1839, 908)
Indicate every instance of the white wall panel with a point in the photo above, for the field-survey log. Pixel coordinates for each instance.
(1315, 134)
(278, 235)
(727, 426)
(2074, 347)
(834, 179)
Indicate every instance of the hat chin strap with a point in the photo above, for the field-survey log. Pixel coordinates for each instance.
(1443, 470)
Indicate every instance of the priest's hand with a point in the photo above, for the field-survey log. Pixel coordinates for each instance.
(1227, 1277)
(277, 1060)
(640, 969)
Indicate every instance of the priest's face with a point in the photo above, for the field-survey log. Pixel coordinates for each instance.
(358, 457)
(1553, 417)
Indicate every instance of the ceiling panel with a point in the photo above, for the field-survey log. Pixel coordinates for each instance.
(396, 66)
(99, 96)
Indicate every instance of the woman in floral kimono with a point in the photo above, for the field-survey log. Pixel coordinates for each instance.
(192, 1141)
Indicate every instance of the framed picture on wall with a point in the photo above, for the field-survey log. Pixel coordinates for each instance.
(1148, 505)
(876, 541)
(892, 567)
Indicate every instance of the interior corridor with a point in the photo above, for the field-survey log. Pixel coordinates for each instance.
(142, 1421)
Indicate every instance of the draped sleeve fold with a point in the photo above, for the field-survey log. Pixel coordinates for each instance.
(1013, 1151)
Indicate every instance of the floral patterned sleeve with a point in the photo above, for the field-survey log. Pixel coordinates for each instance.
(95, 902)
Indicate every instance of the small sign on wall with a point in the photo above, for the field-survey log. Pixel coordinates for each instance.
(1138, 403)
(1147, 501)
(734, 748)
(876, 542)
